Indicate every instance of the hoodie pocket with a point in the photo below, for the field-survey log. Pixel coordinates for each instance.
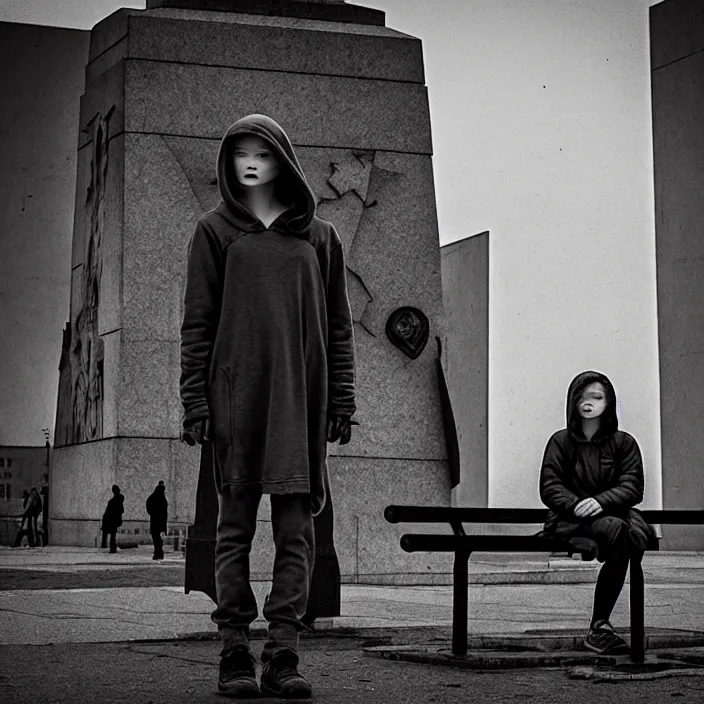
(221, 407)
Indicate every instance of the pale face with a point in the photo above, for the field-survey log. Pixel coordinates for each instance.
(255, 163)
(593, 401)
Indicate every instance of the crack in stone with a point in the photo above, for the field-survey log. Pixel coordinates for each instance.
(70, 617)
(146, 651)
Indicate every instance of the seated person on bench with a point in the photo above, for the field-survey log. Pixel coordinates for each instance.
(590, 479)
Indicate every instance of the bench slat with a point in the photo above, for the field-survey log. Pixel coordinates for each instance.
(673, 516)
(423, 542)
(446, 514)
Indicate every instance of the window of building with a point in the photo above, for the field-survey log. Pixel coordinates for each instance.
(8, 492)
(9, 462)
(2, 461)
(2, 491)
(7, 475)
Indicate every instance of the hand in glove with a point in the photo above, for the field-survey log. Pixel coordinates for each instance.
(196, 432)
(340, 428)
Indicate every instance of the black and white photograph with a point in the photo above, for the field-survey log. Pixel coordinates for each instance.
(352, 351)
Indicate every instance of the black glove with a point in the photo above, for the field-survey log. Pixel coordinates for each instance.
(340, 428)
(196, 432)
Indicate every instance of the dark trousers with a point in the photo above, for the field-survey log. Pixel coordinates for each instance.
(292, 526)
(113, 540)
(28, 527)
(616, 547)
(158, 543)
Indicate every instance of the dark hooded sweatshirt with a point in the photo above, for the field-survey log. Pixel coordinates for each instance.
(608, 467)
(267, 347)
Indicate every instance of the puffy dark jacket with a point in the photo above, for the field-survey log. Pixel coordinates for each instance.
(607, 467)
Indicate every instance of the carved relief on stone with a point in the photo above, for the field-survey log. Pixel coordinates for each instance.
(351, 178)
(62, 427)
(87, 349)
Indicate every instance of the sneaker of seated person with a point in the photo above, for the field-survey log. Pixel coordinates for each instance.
(237, 676)
(602, 639)
(280, 678)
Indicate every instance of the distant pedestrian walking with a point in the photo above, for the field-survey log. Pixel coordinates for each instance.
(44, 493)
(28, 525)
(158, 509)
(112, 518)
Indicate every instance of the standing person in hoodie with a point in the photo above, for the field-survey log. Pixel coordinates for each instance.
(267, 373)
(590, 479)
(158, 509)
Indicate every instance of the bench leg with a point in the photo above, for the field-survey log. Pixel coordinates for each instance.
(460, 598)
(637, 608)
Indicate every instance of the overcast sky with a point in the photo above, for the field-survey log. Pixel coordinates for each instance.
(542, 135)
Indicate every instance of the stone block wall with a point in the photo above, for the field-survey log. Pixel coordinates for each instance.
(162, 86)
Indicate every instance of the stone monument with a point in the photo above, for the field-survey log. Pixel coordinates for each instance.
(162, 85)
(677, 85)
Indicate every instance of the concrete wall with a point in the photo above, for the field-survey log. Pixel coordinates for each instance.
(39, 94)
(465, 289)
(677, 62)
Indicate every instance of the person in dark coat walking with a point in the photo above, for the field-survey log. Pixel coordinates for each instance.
(32, 509)
(112, 518)
(44, 492)
(158, 509)
(267, 363)
(590, 479)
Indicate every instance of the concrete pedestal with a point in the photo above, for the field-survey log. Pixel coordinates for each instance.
(162, 86)
(677, 64)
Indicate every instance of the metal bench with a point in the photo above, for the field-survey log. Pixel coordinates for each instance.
(463, 545)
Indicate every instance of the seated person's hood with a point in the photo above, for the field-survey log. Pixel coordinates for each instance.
(609, 419)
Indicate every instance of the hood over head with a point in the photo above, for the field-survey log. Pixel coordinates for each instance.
(292, 187)
(609, 419)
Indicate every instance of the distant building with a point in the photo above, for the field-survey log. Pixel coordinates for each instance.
(21, 467)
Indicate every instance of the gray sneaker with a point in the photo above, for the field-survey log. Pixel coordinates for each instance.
(237, 675)
(280, 678)
(602, 639)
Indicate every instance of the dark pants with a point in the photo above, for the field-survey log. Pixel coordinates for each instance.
(158, 543)
(113, 540)
(616, 548)
(28, 527)
(292, 525)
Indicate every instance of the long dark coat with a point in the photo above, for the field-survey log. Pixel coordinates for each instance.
(112, 518)
(267, 348)
(158, 510)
